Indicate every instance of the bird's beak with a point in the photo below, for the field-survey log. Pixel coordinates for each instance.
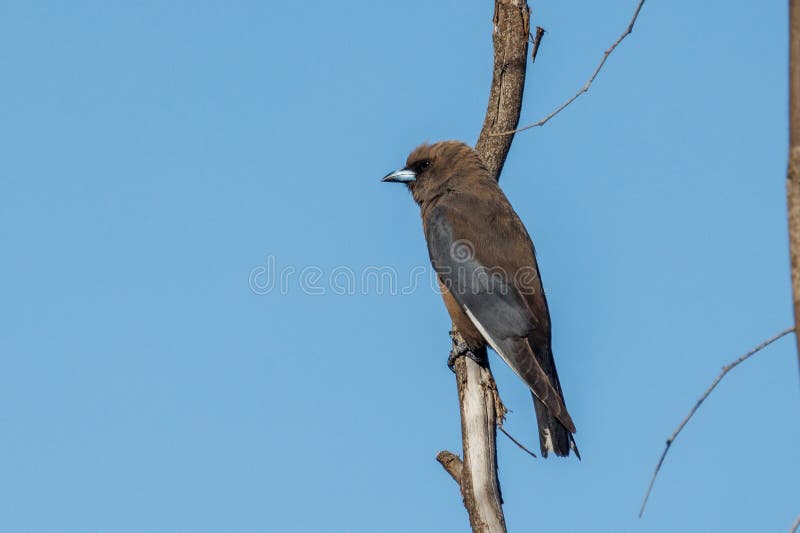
(403, 175)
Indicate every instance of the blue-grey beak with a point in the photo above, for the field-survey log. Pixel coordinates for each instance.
(403, 175)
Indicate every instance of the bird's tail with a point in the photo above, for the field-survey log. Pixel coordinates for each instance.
(553, 436)
(538, 371)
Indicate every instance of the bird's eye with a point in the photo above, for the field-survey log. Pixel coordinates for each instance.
(425, 164)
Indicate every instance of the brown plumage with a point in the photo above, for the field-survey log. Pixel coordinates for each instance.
(486, 263)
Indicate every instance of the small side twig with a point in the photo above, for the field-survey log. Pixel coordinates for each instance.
(725, 369)
(586, 86)
(537, 40)
(795, 526)
(452, 463)
(515, 441)
(501, 411)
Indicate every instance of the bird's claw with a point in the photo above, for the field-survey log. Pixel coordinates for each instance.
(451, 361)
(461, 349)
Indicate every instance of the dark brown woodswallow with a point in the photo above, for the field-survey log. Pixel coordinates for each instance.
(486, 265)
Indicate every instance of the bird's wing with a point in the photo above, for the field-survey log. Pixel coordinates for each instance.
(468, 262)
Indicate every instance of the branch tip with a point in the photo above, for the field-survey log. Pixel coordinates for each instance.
(452, 464)
(725, 369)
(586, 86)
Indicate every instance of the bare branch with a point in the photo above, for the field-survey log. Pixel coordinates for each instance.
(795, 526)
(537, 40)
(586, 86)
(501, 411)
(511, 35)
(725, 369)
(452, 463)
(480, 487)
(515, 441)
(793, 166)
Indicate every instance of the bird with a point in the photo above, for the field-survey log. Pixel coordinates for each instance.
(486, 265)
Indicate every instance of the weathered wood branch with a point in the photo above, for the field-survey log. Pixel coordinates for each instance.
(477, 393)
(511, 36)
(793, 170)
(480, 487)
(452, 463)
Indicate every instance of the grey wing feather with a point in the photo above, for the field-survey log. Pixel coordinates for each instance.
(496, 308)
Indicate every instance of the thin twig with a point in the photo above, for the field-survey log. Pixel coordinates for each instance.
(725, 369)
(537, 40)
(501, 411)
(588, 84)
(795, 525)
(515, 441)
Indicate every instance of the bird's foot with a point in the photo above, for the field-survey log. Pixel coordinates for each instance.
(461, 349)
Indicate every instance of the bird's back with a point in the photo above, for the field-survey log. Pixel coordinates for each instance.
(476, 231)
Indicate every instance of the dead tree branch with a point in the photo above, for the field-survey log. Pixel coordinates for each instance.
(586, 86)
(511, 36)
(795, 526)
(452, 463)
(793, 170)
(515, 441)
(537, 40)
(477, 394)
(479, 405)
(725, 369)
(479, 484)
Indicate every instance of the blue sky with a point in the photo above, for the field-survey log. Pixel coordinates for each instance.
(153, 155)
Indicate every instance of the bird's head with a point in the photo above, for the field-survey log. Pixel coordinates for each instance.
(433, 169)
